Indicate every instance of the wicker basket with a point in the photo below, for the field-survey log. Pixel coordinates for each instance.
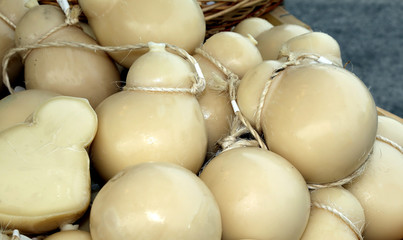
(220, 15)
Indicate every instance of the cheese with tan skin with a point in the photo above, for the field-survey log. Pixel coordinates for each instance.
(142, 126)
(391, 129)
(329, 207)
(318, 43)
(123, 22)
(49, 166)
(260, 194)
(13, 10)
(380, 188)
(270, 41)
(77, 72)
(155, 201)
(15, 108)
(322, 119)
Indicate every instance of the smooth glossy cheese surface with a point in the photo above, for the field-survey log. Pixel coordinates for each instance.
(260, 194)
(155, 201)
(123, 22)
(322, 119)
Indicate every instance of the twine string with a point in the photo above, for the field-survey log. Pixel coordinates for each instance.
(199, 82)
(390, 142)
(339, 214)
(71, 19)
(7, 20)
(358, 172)
(233, 83)
(234, 140)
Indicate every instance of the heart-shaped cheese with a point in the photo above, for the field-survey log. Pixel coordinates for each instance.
(44, 166)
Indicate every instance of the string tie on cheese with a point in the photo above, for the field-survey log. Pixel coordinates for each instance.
(295, 61)
(199, 82)
(339, 214)
(358, 172)
(233, 82)
(72, 19)
(390, 142)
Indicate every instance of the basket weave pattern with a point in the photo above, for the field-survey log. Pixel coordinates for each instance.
(220, 15)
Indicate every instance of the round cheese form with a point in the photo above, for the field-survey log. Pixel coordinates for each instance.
(260, 194)
(234, 51)
(16, 108)
(120, 22)
(317, 43)
(215, 103)
(325, 221)
(380, 192)
(252, 26)
(322, 119)
(391, 129)
(155, 201)
(13, 10)
(251, 87)
(70, 235)
(271, 40)
(77, 72)
(142, 126)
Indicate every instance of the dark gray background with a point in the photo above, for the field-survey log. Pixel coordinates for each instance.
(370, 35)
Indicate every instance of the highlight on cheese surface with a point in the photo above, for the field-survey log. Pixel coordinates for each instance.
(46, 166)
(155, 201)
(259, 193)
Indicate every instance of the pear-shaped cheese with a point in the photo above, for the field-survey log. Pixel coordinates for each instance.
(78, 72)
(143, 125)
(45, 167)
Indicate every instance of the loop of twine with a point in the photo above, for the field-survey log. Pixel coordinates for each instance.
(348, 179)
(71, 19)
(233, 82)
(390, 142)
(7, 20)
(339, 214)
(197, 87)
(233, 140)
